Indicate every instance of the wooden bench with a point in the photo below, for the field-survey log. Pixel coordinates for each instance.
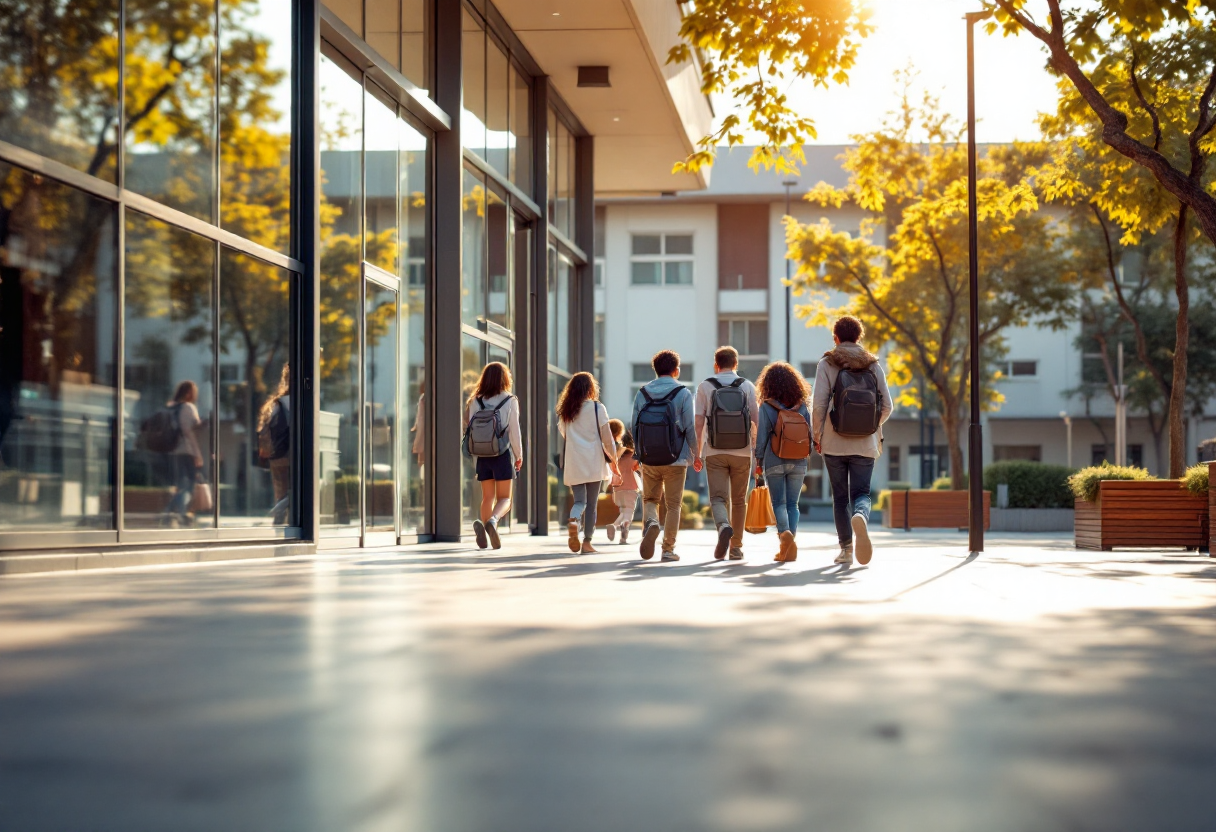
(1153, 514)
(933, 510)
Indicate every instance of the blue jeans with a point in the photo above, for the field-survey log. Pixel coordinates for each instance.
(184, 474)
(784, 485)
(586, 502)
(850, 478)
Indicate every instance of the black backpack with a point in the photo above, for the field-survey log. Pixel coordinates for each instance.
(161, 431)
(856, 402)
(657, 438)
(730, 423)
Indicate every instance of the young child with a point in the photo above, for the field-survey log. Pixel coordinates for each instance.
(625, 488)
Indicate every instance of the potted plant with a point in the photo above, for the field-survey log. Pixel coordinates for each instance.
(1197, 480)
(1126, 506)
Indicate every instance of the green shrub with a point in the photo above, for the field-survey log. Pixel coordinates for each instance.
(690, 505)
(1031, 484)
(1195, 480)
(946, 484)
(1086, 484)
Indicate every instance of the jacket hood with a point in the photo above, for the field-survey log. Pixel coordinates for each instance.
(850, 356)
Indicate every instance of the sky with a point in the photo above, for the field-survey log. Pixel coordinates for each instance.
(1012, 85)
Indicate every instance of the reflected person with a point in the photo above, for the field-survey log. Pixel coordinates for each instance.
(274, 444)
(186, 460)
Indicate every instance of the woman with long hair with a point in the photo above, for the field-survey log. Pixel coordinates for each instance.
(186, 458)
(785, 422)
(274, 444)
(588, 454)
(496, 473)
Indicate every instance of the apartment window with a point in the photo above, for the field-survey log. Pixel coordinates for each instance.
(808, 369)
(893, 466)
(1029, 453)
(599, 271)
(644, 374)
(1106, 453)
(661, 260)
(1018, 369)
(748, 335)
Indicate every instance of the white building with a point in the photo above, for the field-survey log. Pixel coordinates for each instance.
(692, 271)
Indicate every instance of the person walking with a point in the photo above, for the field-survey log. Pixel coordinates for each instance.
(625, 486)
(726, 419)
(664, 433)
(783, 445)
(274, 444)
(186, 459)
(588, 454)
(851, 403)
(492, 436)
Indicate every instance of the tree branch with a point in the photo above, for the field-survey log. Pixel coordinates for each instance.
(1148, 108)
(895, 322)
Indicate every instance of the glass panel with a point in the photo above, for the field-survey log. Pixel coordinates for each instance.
(413, 171)
(559, 495)
(341, 294)
(380, 386)
(559, 311)
(381, 29)
(473, 116)
(380, 188)
(521, 130)
(494, 353)
(757, 338)
(169, 388)
(561, 216)
(255, 122)
(521, 263)
(169, 86)
(570, 186)
(349, 12)
(57, 319)
(679, 273)
(473, 261)
(59, 93)
(645, 274)
(678, 243)
(255, 407)
(472, 360)
(551, 145)
(647, 244)
(498, 93)
(415, 45)
(500, 301)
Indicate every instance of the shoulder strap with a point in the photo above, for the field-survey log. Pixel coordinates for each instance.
(498, 407)
(480, 404)
(670, 396)
(738, 382)
(776, 404)
(649, 398)
(717, 384)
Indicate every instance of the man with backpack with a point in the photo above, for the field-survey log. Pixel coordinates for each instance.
(726, 416)
(663, 433)
(851, 403)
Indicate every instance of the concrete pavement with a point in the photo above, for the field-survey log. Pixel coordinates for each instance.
(437, 689)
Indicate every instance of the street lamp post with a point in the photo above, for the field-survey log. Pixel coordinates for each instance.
(975, 453)
(789, 312)
(1068, 432)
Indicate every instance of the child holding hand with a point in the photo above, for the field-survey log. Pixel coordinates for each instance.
(624, 486)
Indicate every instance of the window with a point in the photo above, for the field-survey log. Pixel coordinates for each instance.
(1018, 369)
(893, 466)
(661, 260)
(1030, 453)
(808, 369)
(644, 374)
(1106, 453)
(748, 335)
(599, 271)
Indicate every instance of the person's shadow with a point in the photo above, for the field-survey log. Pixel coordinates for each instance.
(837, 574)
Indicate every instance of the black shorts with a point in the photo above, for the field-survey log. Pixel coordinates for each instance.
(500, 467)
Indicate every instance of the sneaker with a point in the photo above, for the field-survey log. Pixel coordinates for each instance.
(861, 539)
(669, 556)
(492, 533)
(736, 553)
(611, 532)
(845, 556)
(624, 534)
(572, 531)
(649, 536)
(724, 536)
(788, 553)
(479, 531)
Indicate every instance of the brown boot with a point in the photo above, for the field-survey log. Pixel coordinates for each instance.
(788, 551)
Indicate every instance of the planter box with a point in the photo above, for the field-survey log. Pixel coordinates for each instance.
(932, 510)
(1142, 514)
(1212, 509)
(1032, 520)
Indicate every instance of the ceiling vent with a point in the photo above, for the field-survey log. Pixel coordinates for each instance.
(593, 76)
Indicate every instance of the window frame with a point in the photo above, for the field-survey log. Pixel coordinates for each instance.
(663, 258)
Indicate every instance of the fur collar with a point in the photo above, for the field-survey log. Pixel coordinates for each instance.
(850, 356)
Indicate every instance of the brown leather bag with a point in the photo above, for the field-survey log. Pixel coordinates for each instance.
(791, 433)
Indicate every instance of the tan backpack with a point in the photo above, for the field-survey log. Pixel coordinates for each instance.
(791, 434)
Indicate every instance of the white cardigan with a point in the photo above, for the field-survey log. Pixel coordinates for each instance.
(587, 439)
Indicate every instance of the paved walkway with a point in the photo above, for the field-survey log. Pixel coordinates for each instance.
(438, 690)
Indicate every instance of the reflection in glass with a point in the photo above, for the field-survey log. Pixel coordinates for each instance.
(57, 319)
(561, 216)
(256, 402)
(473, 115)
(413, 172)
(559, 495)
(169, 389)
(59, 81)
(552, 149)
(570, 184)
(255, 121)
(560, 269)
(381, 29)
(501, 295)
(498, 94)
(169, 91)
(521, 130)
(472, 360)
(380, 386)
(415, 45)
(380, 208)
(341, 294)
(473, 260)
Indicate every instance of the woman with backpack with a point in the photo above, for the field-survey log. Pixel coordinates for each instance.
(588, 454)
(492, 406)
(274, 444)
(783, 444)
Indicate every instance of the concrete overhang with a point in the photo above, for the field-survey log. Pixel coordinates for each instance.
(652, 114)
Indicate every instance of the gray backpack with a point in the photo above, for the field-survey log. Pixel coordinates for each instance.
(486, 436)
(730, 421)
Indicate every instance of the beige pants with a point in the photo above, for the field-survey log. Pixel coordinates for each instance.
(663, 484)
(728, 476)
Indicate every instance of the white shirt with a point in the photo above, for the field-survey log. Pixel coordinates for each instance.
(705, 392)
(509, 413)
(587, 439)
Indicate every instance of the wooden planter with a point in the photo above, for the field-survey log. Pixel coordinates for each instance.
(1212, 509)
(1152, 514)
(932, 510)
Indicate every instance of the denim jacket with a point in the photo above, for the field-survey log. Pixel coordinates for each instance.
(685, 414)
(764, 435)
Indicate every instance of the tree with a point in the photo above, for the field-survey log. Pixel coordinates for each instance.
(748, 48)
(906, 273)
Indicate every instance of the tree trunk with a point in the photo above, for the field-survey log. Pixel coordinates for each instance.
(951, 422)
(1182, 335)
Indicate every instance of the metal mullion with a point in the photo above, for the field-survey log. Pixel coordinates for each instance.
(215, 387)
(58, 171)
(215, 129)
(120, 371)
(519, 198)
(568, 246)
(361, 339)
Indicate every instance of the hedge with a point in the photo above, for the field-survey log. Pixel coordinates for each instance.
(1031, 484)
(1086, 484)
(1195, 480)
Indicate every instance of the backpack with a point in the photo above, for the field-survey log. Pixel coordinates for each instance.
(161, 431)
(274, 437)
(485, 437)
(730, 423)
(856, 402)
(657, 438)
(791, 434)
